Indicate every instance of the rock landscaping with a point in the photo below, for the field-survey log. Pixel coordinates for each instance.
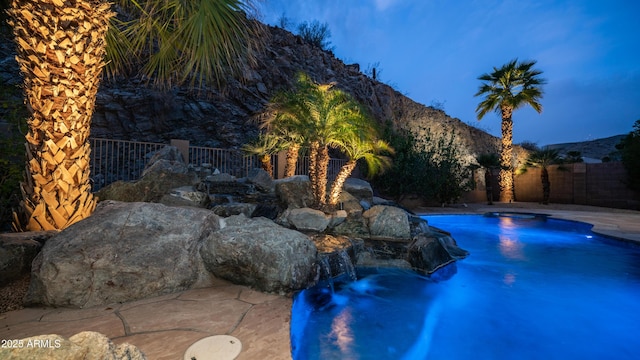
(267, 237)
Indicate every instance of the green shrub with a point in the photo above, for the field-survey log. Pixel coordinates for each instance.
(428, 167)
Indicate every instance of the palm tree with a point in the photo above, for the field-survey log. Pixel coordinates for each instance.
(61, 48)
(356, 149)
(507, 89)
(280, 122)
(489, 162)
(542, 158)
(323, 117)
(264, 146)
(574, 156)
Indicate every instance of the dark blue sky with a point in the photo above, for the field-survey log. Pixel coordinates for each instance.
(434, 50)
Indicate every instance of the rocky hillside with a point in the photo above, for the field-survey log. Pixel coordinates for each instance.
(128, 110)
(593, 149)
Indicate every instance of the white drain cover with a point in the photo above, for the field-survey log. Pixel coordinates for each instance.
(218, 347)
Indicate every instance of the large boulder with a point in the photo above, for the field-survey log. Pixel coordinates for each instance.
(294, 191)
(433, 250)
(353, 226)
(426, 254)
(123, 252)
(306, 219)
(350, 204)
(388, 222)
(360, 189)
(81, 346)
(261, 254)
(261, 179)
(151, 188)
(167, 159)
(17, 251)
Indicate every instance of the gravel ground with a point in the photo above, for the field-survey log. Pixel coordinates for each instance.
(11, 295)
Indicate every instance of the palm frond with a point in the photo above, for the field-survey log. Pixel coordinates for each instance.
(200, 41)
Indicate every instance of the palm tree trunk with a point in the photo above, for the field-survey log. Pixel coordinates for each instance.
(60, 51)
(265, 161)
(338, 183)
(546, 185)
(323, 164)
(292, 159)
(313, 167)
(506, 156)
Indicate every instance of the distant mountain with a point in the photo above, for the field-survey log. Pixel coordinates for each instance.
(593, 149)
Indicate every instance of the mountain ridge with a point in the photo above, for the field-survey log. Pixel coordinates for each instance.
(593, 149)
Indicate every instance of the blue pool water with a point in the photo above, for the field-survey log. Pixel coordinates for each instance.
(531, 288)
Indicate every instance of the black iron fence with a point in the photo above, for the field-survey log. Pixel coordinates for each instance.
(114, 160)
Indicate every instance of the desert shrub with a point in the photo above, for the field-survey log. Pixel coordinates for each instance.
(284, 22)
(430, 167)
(316, 33)
(630, 154)
(437, 104)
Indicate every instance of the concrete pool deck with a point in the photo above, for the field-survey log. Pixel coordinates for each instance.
(164, 327)
(617, 223)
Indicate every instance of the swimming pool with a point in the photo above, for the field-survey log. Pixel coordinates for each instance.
(531, 288)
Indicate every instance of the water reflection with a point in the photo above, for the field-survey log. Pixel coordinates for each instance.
(342, 333)
(509, 279)
(511, 249)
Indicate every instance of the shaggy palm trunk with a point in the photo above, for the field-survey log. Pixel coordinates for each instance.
(265, 161)
(546, 185)
(338, 183)
(313, 167)
(321, 175)
(292, 159)
(60, 46)
(506, 156)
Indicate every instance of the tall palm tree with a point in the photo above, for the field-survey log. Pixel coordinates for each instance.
(543, 158)
(507, 89)
(358, 148)
(61, 48)
(324, 117)
(488, 162)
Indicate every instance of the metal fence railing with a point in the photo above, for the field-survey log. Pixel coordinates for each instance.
(233, 162)
(302, 167)
(114, 160)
